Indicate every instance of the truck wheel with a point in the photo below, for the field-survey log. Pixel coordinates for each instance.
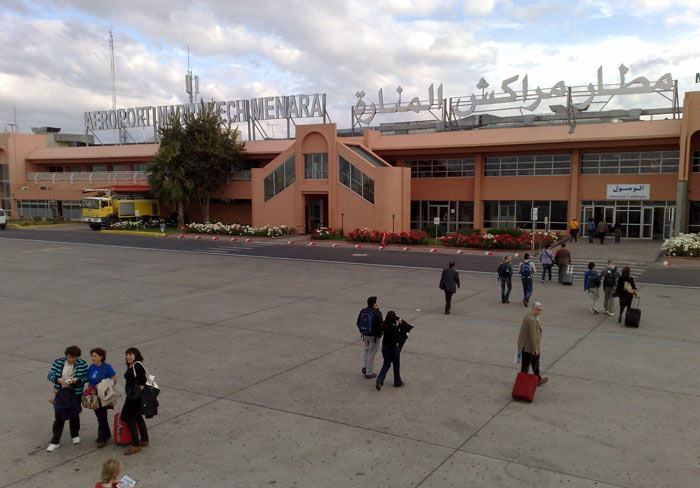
(96, 226)
(2, 226)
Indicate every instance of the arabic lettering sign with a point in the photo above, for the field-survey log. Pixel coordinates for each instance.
(629, 192)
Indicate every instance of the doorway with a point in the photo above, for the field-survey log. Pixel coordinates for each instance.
(442, 211)
(316, 212)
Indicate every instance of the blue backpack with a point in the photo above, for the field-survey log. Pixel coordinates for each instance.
(525, 269)
(364, 321)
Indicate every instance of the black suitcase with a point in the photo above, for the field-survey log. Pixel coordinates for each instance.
(567, 277)
(633, 315)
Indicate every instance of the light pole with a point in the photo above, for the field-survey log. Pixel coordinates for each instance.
(342, 218)
(393, 218)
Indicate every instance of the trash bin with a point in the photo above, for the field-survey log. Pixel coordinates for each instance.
(162, 227)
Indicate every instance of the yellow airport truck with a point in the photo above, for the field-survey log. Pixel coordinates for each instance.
(104, 210)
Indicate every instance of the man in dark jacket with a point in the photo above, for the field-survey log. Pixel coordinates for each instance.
(449, 282)
(371, 340)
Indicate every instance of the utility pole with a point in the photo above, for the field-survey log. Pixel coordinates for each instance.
(121, 136)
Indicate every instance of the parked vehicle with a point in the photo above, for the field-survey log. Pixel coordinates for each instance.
(3, 219)
(103, 211)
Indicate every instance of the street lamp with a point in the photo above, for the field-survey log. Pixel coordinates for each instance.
(393, 219)
(342, 218)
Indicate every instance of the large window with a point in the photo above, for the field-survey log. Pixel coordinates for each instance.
(694, 217)
(34, 208)
(5, 199)
(70, 209)
(537, 165)
(517, 213)
(629, 163)
(279, 179)
(442, 168)
(356, 180)
(696, 162)
(316, 166)
(454, 215)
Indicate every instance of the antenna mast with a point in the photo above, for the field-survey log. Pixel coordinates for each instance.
(192, 90)
(123, 135)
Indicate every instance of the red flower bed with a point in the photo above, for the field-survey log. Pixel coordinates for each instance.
(376, 236)
(501, 241)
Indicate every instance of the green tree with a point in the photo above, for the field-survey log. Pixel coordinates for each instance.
(196, 154)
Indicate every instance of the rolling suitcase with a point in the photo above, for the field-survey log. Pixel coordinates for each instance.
(121, 432)
(633, 315)
(525, 386)
(567, 277)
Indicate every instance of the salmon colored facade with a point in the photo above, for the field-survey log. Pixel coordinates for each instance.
(468, 178)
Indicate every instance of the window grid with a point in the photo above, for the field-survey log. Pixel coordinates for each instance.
(516, 213)
(696, 162)
(537, 165)
(650, 162)
(459, 214)
(694, 217)
(354, 179)
(5, 198)
(282, 177)
(442, 168)
(316, 166)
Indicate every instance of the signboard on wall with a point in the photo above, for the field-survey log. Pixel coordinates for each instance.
(628, 192)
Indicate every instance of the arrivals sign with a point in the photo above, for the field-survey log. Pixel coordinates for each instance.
(628, 192)
(234, 111)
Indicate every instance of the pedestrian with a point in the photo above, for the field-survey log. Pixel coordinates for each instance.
(610, 277)
(370, 323)
(132, 414)
(98, 371)
(547, 260)
(617, 232)
(111, 469)
(529, 340)
(395, 335)
(601, 230)
(526, 271)
(573, 230)
(68, 375)
(591, 284)
(626, 290)
(505, 273)
(563, 259)
(449, 282)
(590, 230)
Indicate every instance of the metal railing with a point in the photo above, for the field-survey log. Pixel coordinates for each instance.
(242, 175)
(108, 176)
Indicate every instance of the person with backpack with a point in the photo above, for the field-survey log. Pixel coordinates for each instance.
(526, 270)
(563, 259)
(602, 229)
(370, 322)
(449, 282)
(591, 284)
(395, 335)
(590, 230)
(505, 272)
(626, 290)
(610, 277)
(547, 260)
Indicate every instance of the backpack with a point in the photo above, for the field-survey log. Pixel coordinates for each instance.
(595, 281)
(502, 270)
(364, 321)
(609, 279)
(525, 269)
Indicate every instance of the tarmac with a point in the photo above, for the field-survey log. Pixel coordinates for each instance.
(258, 361)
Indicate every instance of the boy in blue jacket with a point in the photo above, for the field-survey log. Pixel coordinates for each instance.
(591, 284)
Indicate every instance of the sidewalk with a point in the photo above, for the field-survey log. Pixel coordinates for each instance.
(628, 250)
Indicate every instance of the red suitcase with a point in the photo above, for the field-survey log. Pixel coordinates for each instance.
(121, 432)
(525, 386)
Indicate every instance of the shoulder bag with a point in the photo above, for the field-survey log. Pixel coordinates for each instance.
(90, 399)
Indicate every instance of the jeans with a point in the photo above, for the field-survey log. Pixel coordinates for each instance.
(609, 302)
(527, 288)
(505, 283)
(546, 270)
(530, 359)
(371, 346)
(617, 238)
(391, 357)
(595, 297)
(602, 237)
(591, 235)
(625, 301)
(103, 431)
(136, 427)
(448, 300)
(574, 235)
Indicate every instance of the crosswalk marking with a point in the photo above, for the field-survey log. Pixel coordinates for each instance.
(581, 266)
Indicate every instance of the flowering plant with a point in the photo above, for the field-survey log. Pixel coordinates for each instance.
(683, 245)
(377, 236)
(135, 224)
(239, 230)
(325, 233)
(501, 241)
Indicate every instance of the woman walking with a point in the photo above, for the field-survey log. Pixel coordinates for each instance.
(68, 375)
(98, 371)
(626, 290)
(132, 414)
(395, 335)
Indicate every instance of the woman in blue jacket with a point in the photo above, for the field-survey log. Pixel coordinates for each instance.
(68, 375)
(98, 371)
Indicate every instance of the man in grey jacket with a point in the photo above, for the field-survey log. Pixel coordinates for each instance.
(449, 282)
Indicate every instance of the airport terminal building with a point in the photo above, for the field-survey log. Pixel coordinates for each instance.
(642, 174)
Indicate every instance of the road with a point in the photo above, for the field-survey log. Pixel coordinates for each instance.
(647, 273)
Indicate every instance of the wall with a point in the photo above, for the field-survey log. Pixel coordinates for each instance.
(282, 209)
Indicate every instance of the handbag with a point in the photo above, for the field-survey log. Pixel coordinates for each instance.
(108, 392)
(150, 379)
(90, 399)
(628, 288)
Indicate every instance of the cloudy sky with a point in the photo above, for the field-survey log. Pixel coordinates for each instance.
(54, 61)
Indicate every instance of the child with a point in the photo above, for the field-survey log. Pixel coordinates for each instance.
(591, 284)
(111, 469)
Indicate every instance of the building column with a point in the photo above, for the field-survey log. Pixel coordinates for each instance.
(573, 205)
(478, 202)
(681, 223)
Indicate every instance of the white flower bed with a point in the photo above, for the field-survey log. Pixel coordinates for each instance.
(136, 224)
(683, 245)
(239, 230)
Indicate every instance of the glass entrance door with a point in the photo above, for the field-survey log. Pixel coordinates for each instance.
(315, 214)
(647, 223)
(441, 211)
(669, 222)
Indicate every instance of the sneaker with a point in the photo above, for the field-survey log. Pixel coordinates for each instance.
(595, 310)
(364, 371)
(610, 313)
(524, 302)
(542, 281)
(132, 450)
(371, 375)
(52, 447)
(400, 385)
(145, 444)
(76, 440)
(447, 313)
(377, 385)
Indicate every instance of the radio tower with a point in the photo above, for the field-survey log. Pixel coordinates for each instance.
(122, 132)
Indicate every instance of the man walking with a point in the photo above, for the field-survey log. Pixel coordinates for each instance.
(563, 259)
(573, 230)
(529, 340)
(601, 230)
(370, 324)
(610, 277)
(505, 273)
(591, 284)
(547, 260)
(449, 282)
(590, 229)
(526, 271)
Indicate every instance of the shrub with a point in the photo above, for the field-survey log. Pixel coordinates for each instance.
(514, 232)
(683, 245)
(376, 236)
(432, 228)
(467, 231)
(501, 241)
(239, 230)
(324, 233)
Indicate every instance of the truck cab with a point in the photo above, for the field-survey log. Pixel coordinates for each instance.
(97, 211)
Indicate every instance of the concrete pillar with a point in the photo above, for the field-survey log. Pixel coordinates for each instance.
(478, 202)
(573, 205)
(681, 224)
